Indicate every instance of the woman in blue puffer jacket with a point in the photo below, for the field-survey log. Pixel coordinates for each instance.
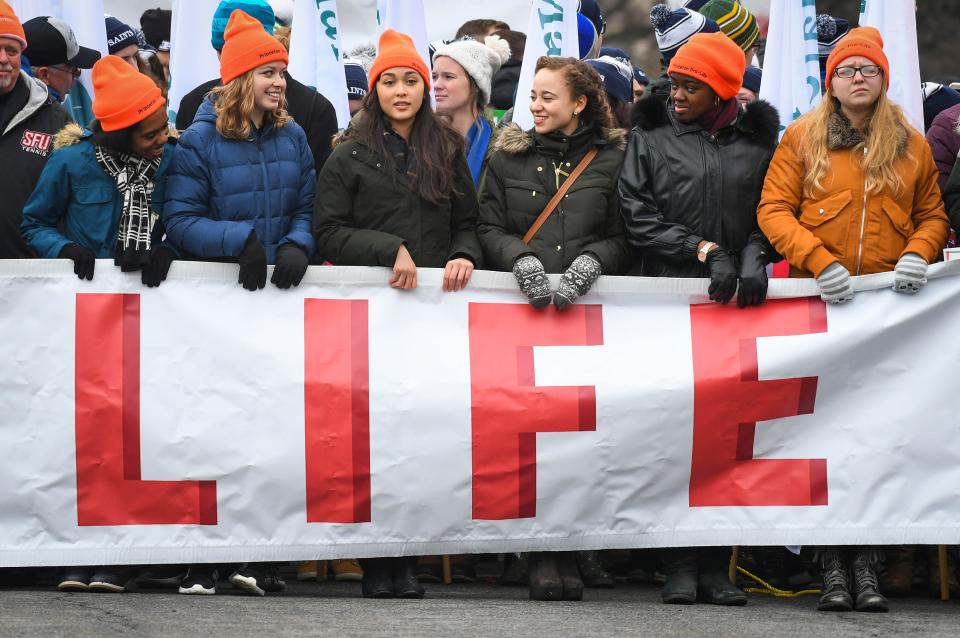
(242, 183)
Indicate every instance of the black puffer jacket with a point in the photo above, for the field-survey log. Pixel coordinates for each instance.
(681, 185)
(522, 177)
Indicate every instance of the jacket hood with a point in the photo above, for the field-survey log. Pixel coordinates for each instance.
(206, 112)
(841, 134)
(70, 135)
(759, 121)
(514, 140)
(39, 96)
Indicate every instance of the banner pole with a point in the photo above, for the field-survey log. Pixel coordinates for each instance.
(734, 560)
(944, 572)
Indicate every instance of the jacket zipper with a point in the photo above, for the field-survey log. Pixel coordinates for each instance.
(266, 191)
(557, 171)
(863, 219)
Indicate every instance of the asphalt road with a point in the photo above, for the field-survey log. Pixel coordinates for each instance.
(336, 609)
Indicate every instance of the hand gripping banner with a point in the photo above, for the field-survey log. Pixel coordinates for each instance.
(199, 422)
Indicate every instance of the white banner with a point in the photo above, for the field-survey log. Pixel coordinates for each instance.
(551, 30)
(193, 59)
(791, 71)
(199, 422)
(315, 53)
(406, 16)
(897, 22)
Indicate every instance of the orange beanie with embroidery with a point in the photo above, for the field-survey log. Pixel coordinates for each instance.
(862, 41)
(122, 96)
(397, 49)
(10, 25)
(247, 45)
(713, 59)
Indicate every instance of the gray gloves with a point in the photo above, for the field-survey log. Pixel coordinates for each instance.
(532, 279)
(910, 274)
(835, 284)
(580, 276)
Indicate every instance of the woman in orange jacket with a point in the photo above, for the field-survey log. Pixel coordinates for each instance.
(852, 190)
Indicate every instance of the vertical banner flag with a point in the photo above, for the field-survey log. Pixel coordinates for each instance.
(406, 16)
(316, 54)
(897, 22)
(86, 20)
(791, 71)
(551, 31)
(193, 60)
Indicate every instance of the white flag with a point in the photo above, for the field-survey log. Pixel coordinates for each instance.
(897, 22)
(87, 21)
(551, 31)
(193, 60)
(791, 71)
(316, 54)
(405, 16)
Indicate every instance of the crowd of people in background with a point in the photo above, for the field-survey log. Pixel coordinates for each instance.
(678, 174)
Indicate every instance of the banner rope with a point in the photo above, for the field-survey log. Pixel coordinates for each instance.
(770, 590)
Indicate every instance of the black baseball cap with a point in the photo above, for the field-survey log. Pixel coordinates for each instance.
(52, 42)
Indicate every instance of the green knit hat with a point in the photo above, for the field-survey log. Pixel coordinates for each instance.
(737, 23)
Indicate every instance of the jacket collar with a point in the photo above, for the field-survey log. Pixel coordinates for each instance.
(515, 141)
(841, 134)
(39, 97)
(759, 121)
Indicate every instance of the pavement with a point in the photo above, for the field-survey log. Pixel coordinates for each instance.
(337, 609)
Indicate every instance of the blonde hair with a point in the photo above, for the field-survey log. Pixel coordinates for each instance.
(884, 137)
(233, 104)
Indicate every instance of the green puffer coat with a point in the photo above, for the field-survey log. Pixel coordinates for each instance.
(524, 172)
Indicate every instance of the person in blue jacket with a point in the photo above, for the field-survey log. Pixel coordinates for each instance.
(242, 182)
(99, 194)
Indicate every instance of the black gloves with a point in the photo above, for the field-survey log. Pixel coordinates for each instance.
(753, 276)
(83, 259)
(156, 271)
(253, 264)
(292, 262)
(723, 276)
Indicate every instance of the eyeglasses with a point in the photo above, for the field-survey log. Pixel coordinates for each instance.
(75, 72)
(847, 72)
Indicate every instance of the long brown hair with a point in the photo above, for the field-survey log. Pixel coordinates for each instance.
(233, 104)
(884, 137)
(583, 80)
(434, 145)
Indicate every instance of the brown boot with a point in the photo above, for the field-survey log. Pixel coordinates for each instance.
(933, 576)
(897, 578)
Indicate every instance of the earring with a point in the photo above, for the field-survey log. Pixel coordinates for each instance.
(576, 112)
(717, 101)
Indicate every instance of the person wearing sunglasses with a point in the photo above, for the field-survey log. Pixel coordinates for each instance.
(852, 190)
(55, 56)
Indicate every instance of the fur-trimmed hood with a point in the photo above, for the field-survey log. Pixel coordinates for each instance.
(841, 134)
(759, 121)
(516, 141)
(74, 133)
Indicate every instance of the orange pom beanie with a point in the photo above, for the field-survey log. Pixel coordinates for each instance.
(713, 59)
(247, 45)
(122, 96)
(10, 25)
(397, 49)
(863, 41)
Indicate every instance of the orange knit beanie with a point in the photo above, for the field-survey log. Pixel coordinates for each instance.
(397, 49)
(247, 45)
(10, 25)
(122, 96)
(713, 59)
(863, 41)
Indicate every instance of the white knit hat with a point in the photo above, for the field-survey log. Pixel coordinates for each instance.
(479, 60)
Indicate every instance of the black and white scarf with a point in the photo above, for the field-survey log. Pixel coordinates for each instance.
(135, 181)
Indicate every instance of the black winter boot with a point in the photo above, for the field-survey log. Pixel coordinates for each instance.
(377, 579)
(866, 591)
(516, 571)
(835, 594)
(713, 578)
(569, 575)
(592, 570)
(545, 582)
(680, 568)
(404, 575)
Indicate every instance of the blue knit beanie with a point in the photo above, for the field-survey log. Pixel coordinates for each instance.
(587, 34)
(357, 83)
(616, 78)
(256, 9)
(751, 79)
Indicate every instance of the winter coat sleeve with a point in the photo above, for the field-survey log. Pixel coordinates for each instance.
(929, 218)
(951, 196)
(613, 251)
(463, 216)
(944, 143)
(646, 227)
(338, 240)
(779, 203)
(46, 207)
(188, 189)
(322, 129)
(300, 232)
(501, 247)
